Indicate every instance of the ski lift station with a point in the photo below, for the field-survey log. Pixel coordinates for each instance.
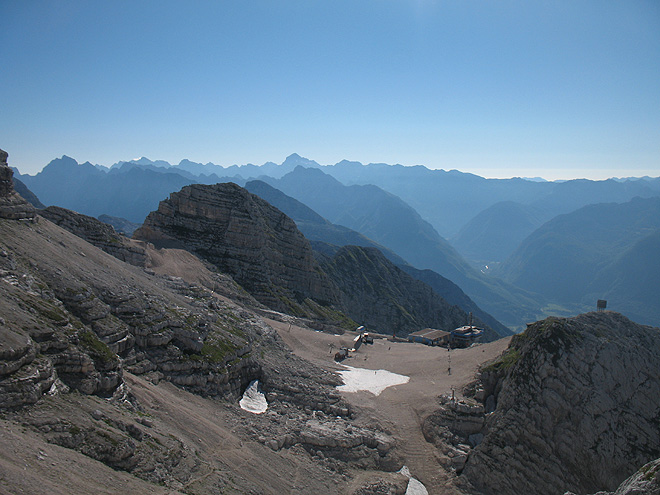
(430, 336)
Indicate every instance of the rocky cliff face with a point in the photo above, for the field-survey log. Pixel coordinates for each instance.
(646, 481)
(244, 236)
(12, 205)
(385, 298)
(98, 233)
(75, 316)
(575, 407)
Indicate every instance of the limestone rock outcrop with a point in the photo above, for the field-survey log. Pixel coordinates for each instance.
(575, 407)
(246, 237)
(646, 481)
(97, 233)
(12, 205)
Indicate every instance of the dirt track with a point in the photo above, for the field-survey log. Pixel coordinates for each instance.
(401, 408)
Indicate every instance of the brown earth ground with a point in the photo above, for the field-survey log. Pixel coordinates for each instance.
(401, 408)
(220, 455)
(213, 431)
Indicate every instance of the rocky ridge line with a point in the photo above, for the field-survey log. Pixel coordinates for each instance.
(98, 233)
(574, 407)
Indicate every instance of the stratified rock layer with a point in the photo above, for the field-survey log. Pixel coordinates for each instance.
(12, 205)
(241, 234)
(97, 233)
(576, 407)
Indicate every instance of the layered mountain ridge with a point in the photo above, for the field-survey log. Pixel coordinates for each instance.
(445, 200)
(571, 405)
(261, 248)
(245, 237)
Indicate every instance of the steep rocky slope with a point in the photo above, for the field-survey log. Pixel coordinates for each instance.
(391, 222)
(380, 295)
(75, 319)
(246, 237)
(453, 294)
(98, 233)
(646, 481)
(575, 407)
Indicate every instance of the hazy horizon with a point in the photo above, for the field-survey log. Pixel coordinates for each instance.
(550, 176)
(559, 90)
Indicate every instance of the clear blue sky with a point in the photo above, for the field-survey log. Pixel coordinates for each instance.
(556, 88)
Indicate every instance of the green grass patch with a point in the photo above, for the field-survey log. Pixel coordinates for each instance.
(505, 362)
(215, 351)
(99, 350)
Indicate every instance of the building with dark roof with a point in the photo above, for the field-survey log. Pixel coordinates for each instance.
(430, 336)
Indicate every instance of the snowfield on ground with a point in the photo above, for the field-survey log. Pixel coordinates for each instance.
(374, 381)
(253, 400)
(415, 487)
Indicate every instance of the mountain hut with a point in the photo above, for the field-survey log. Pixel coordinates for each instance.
(465, 336)
(430, 336)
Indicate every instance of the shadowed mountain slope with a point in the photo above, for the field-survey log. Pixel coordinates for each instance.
(316, 228)
(389, 221)
(453, 294)
(497, 231)
(631, 283)
(246, 237)
(381, 296)
(563, 258)
(313, 225)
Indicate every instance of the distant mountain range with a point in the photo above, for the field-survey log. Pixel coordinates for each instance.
(493, 234)
(446, 199)
(403, 211)
(602, 251)
(323, 234)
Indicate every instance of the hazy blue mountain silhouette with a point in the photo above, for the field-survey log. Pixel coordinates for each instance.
(495, 233)
(388, 220)
(313, 225)
(631, 283)
(130, 194)
(566, 257)
(565, 197)
(26, 194)
(450, 199)
(323, 233)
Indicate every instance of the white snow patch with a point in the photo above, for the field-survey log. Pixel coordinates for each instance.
(415, 487)
(253, 399)
(374, 381)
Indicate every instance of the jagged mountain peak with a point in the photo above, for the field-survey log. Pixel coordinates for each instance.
(243, 236)
(296, 159)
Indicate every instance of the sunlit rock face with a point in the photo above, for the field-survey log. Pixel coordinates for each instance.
(12, 205)
(244, 236)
